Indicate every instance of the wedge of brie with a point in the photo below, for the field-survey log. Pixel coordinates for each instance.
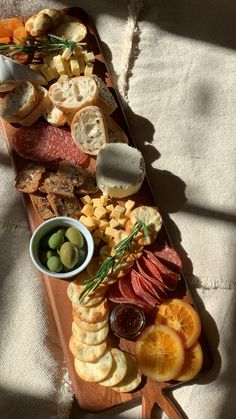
(120, 170)
(11, 72)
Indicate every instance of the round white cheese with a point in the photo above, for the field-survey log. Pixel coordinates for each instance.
(120, 170)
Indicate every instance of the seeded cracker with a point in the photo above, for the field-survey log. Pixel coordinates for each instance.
(29, 178)
(60, 185)
(42, 206)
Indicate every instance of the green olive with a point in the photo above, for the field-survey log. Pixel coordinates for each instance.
(56, 240)
(75, 236)
(54, 264)
(46, 254)
(69, 255)
(62, 231)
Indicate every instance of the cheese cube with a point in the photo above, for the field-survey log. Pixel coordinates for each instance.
(111, 232)
(77, 50)
(48, 73)
(109, 208)
(98, 233)
(88, 222)
(122, 221)
(48, 59)
(88, 71)
(104, 200)
(114, 223)
(89, 57)
(97, 202)
(66, 54)
(129, 205)
(74, 66)
(59, 65)
(66, 67)
(115, 214)
(81, 64)
(95, 220)
(97, 241)
(87, 210)
(120, 209)
(109, 240)
(103, 224)
(86, 199)
(100, 212)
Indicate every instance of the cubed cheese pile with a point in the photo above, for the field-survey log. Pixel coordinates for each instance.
(105, 220)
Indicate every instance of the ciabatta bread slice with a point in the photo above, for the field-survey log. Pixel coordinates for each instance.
(55, 116)
(115, 132)
(38, 111)
(88, 130)
(72, 94)
(19, 102)
(105, 99)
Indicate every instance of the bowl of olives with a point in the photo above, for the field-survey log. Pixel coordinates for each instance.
(61, 247)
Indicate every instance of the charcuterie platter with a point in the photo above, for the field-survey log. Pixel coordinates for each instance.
(125, 317)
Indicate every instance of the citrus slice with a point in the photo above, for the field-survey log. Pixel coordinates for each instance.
(192, 363)
(181, 317)
(159, 353)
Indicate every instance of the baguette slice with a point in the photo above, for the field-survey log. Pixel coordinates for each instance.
(55, 116)
(88, 129)
(105, 99)
(72, 94)
(19, 102)
(115, 132)
(38, 111)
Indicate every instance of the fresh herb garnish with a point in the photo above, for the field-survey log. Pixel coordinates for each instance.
(54, 43)
(109, 264)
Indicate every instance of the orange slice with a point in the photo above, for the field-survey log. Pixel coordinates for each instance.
(159, 353)
(192, 364)
(181, 317)
(19, 35)
(14, 22)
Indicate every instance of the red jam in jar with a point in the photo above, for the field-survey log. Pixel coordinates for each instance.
(127, 321)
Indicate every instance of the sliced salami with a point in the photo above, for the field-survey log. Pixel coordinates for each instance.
(170, 278)
(45, 143)
(115, 296)
(168, 256)
(128, 292)
(148, 286)
(157, 281)
(140, 290)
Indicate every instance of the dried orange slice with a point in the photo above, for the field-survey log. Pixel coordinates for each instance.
(181, 317)
(192, 363)
(159, 353)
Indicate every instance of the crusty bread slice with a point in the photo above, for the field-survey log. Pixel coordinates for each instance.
(74, 30)
(55, 116)
(88, 129)
(43, 104)
(105, 99)
(19, 102)
(115, 132)
(72, 94)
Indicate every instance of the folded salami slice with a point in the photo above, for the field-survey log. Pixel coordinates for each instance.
(115, 296)
(168, 256)
(45, 143)
(148, 287)
(141, 290)
(170, 278)
(155, 278)
(127, 291)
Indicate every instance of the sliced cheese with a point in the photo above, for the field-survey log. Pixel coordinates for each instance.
(120, 170)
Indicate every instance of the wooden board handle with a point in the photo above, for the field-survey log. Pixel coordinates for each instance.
(151, 398)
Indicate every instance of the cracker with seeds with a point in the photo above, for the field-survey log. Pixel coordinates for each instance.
(89, 185)
(42, 206)
(59, 184)
(29, 178)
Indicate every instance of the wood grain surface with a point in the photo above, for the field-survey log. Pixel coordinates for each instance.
(91, 396)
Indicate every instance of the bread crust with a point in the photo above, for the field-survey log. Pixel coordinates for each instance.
(12, 108)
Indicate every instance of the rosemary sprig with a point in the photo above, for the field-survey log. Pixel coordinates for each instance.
(31, 45)
(111, 262)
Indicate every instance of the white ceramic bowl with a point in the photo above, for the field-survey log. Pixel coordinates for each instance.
(50, 225)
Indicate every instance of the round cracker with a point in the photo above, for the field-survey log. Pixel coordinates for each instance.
(94, 371)
(92, 314)
(119, 369)
(86, 353)
(74, 290)
(90, 338)
(132, 379)
(91, 327)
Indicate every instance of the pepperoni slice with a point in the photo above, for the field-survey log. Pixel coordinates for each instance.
(156, 281)
(170, 278)
(43, 143)
(155, 292)
(115, 296)
(168, 256)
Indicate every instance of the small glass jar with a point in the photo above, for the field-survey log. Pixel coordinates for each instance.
(127, 321)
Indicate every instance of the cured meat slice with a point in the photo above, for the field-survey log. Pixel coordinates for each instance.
(170, 278)
(45, 143)
(168, 256)
(115, 296)
(155, 277)
(141, 291)
(148, 286)
(128, 292)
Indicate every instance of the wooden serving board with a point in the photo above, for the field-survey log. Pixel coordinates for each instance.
(91, 396)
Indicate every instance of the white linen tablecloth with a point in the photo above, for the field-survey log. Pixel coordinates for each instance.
(175, 65)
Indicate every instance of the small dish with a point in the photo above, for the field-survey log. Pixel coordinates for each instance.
(49, 226)
(127, 321)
